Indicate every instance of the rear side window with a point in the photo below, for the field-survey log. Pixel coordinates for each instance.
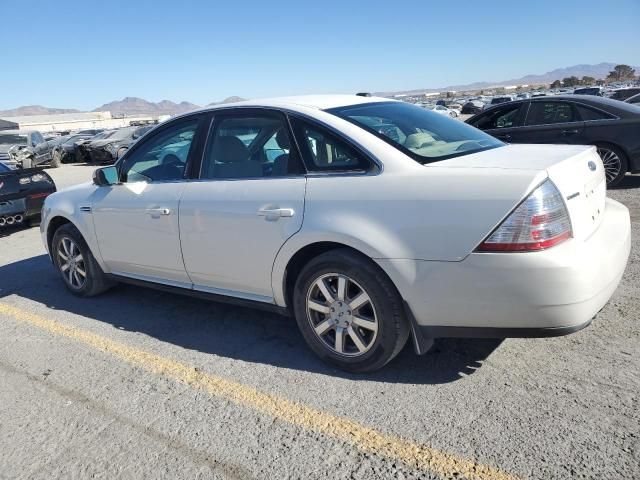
(588, 114)
(325, 152)
(252, 146)
(506, 117)
(547, 113)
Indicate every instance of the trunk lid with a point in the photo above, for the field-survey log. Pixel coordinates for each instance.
(576, 170)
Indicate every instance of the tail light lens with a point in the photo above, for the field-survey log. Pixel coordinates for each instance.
(540, 222)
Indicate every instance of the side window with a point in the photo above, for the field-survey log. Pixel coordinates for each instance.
(251, 146)
(500, 118)
(36, 138)
(546, 113)
(325, 152)
(588, 114)
(163, 157)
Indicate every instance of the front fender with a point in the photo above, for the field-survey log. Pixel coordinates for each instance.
(75, 207)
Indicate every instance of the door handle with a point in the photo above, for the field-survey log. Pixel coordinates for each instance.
(573, 131)
(154, 212)
(275, 213)
(506, 137)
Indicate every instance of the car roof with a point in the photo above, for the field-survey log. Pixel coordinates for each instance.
(320, 102)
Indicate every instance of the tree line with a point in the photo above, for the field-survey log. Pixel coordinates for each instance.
(621, 73)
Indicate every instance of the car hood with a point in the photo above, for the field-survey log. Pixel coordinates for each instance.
(515, 157)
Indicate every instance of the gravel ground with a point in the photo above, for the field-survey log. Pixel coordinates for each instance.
(536, 408)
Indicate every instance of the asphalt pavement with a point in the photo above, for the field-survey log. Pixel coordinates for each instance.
(141, 384)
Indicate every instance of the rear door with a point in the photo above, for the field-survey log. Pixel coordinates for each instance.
(248, 201)
(553, 121)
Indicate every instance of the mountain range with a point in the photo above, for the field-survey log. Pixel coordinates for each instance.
(140, 106)
(126, 106)
(600, 70)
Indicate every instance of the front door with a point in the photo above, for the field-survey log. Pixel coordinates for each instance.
(136, 221)
(248, 202)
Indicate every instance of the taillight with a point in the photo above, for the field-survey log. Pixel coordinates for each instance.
(540, 222)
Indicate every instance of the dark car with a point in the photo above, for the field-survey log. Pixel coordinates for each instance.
(624, 93)
(109, 149)
(24, 148)
(472, 107)
(65, 150)
(635, 99)
(22, 193)
(612, 126)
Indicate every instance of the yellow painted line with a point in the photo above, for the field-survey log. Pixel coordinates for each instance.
(366, 439)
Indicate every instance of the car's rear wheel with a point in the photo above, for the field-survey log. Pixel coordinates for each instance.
(615, 163)
(76, 264)
(349, 312)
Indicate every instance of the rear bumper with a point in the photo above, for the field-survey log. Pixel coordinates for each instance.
(499, 295)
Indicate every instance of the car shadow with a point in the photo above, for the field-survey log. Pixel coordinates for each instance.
(629, 182)
(230, 331)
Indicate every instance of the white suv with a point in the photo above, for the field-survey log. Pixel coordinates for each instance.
(367, 219)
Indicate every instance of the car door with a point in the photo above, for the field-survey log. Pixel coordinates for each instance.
(136, 221)
(502, 122)
(553, 121)
(40, 148)
(248, 201)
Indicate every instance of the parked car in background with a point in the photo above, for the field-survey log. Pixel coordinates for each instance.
(81, 154)
(22, 193)
(472, 107)
(498, 100)
(366, 235)
(65, 150)
(597, 91)
(624, 93)
(109, 149)
(24, 148)
(634, 100)
(612, 126)
(442, 110)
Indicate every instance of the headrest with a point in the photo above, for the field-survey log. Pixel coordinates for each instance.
(230, 150)
(282, 138)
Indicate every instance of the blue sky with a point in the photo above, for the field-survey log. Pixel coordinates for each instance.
(81, 54)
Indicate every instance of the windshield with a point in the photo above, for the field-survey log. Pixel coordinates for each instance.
(422, 134)
(13, 139)
(122, 133)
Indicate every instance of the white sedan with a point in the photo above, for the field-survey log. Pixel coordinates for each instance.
(368, 220)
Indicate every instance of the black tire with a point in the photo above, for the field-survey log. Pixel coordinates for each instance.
(56, 159)
(603, 150)
(96, 281)
(392, 326)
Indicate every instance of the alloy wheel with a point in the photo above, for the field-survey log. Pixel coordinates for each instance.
(71, 263)
(342, 314)
(612, 163)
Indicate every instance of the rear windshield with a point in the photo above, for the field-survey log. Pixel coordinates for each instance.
(424, 135)
(13, 139)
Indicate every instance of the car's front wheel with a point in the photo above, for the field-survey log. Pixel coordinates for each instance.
(349, 312)
(76, 264)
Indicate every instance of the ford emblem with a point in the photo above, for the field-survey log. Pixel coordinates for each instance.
(592, 165)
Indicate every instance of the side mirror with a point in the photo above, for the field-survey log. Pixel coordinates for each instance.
(105, 176)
